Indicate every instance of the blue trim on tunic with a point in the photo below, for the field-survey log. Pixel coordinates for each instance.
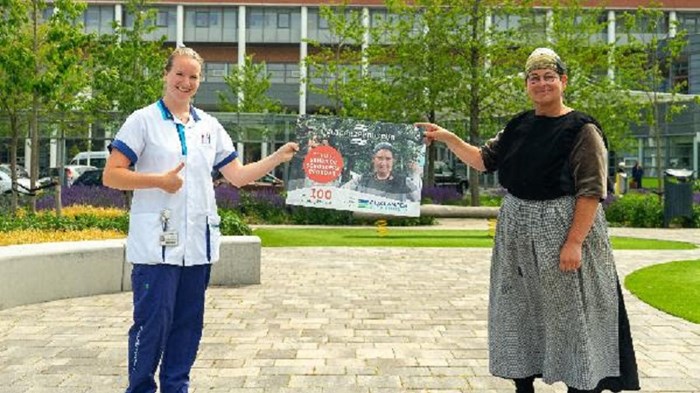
(226, 160)
(124, 149)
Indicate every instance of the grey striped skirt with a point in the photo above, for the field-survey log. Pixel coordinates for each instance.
(569, 327)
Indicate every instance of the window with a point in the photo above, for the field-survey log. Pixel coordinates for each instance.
(291, 73)
(643, 24)
(92, 17)
(256, 18)
(214, 17)
(286, 73)
(284, 20)
(98, 19)
(377, 18)
(47, 13)
(162, 18)
(201, 19)
(276, 72)
(503, 22)
(689, 21)
(322, 22)
(214, 72)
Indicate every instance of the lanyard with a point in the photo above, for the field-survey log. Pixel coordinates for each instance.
(167, 115)
(181, 135)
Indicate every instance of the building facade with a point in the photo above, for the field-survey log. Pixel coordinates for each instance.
(276, 33)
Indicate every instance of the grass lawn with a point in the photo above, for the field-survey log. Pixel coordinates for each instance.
(370, 237)
(672, 287)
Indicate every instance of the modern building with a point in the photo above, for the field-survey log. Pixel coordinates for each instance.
(276, 32)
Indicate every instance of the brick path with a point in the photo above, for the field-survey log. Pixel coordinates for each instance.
(332, 320)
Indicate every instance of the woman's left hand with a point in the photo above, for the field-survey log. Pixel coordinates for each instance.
(570, 257)
(286, 152)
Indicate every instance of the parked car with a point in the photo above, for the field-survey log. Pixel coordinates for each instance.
(92, 158)
(71, 172)
(91, 177)
(267, 181)
(451, 176)
(21, 172)
(23, 185)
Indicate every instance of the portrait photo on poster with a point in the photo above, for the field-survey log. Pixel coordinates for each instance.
(357, 165)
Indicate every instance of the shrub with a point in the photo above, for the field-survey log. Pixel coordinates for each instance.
(48, 221)
(232, 224)
(85, 195)
(264, 206)
(442, 195)
(635, 209)
(227, 197)
(30, 236)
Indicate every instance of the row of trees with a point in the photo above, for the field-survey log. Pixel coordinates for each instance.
(51, 69)
(442, 61)
(445, 61)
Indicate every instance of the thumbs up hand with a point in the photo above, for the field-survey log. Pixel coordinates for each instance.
(171, 181)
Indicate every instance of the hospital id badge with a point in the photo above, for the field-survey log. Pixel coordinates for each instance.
(168, 239)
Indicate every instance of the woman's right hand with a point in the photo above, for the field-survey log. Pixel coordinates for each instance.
(171, 181)
(434, 132)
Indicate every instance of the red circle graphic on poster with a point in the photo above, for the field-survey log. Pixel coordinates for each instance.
(323, 164)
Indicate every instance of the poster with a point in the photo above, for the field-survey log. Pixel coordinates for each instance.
(355, 165)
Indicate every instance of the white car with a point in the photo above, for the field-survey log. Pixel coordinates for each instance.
(6, 184)
(73, 172)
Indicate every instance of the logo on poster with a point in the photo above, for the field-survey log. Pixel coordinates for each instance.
(323, 164)
(393, 206)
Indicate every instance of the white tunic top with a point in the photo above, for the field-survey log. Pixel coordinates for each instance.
(155, 141)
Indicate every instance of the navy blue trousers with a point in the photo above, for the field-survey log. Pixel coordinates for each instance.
(168, 322)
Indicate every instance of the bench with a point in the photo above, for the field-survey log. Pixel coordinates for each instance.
(34, 273)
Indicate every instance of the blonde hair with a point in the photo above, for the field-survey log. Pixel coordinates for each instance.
(183, 51)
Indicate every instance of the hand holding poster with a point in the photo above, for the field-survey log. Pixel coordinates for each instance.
(362, 166)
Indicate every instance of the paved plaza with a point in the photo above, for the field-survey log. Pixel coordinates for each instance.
(335, 320)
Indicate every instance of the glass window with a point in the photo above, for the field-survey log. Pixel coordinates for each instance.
(255, 18)
(644, 24)
(377, 18)
(689, 21)
(214, 16)
(276, 72)
(47, 12)
(214, 72)
(98, 19)
(291, 74)
(201, 19)
(92, 17)
(162, 18)
(322, 22)
(504, 22)
(283, 20)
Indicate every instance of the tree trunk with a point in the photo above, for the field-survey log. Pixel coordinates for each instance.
(34, 119)
(474, 101)
(14, 126)
(432, 155)
(61, 174)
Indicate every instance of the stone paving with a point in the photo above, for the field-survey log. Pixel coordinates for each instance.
(372, 320)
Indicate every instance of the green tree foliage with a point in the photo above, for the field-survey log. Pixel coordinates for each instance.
(248, 86)
(15, 71)
(460, 63)
(435, 57)
(41, 64)
(579, 36)
(128, 69)
(644, 67)
(338, 64)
